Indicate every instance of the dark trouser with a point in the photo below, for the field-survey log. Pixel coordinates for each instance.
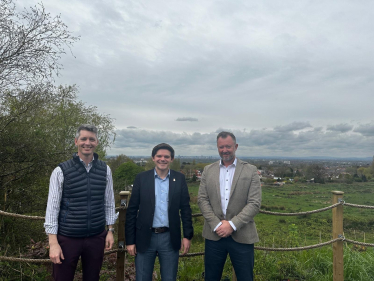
(241, 255)
(168, 257)
(91, 251)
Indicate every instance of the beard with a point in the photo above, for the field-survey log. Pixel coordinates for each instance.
(227, 157)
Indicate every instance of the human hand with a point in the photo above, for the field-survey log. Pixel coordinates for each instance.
(185, 246)
(55, 253)
(131, 249)
(109, 240)
(225, 229)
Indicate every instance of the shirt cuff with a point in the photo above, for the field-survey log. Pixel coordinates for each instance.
(232, 225)
(218, 225)
(51, 229)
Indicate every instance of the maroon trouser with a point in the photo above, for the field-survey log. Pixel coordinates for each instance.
(91, 251)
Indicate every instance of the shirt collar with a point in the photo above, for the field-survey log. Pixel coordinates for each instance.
(157, 176)
(233, 164)
(93, 158)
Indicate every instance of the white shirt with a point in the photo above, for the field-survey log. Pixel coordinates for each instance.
(226, 175)
(55, 195)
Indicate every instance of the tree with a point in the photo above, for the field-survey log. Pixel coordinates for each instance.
(31, 44)
(317, 172)
(176, 164)
(125, 175)
(115, 162)
(37, 130)
(149, 165)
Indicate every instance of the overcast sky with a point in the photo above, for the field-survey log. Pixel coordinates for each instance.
(289, 78)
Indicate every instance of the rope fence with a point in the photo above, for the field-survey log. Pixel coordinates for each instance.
(200, 214)
(4, 258)
(269, 249)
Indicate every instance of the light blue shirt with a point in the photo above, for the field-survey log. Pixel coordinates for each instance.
(161, 217)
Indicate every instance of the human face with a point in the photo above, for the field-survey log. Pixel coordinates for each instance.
(226, 149)
(86, 143)
(162, 160)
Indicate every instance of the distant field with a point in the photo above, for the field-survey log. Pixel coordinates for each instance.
(281, 231)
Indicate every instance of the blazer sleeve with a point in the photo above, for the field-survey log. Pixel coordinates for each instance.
(185, 211)
(131, 213)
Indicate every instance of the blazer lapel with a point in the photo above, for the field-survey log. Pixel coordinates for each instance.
(172, 187)
(216, 186)
(238, 170)
(152, 189)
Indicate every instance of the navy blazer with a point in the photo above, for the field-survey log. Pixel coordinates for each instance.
(140, 211)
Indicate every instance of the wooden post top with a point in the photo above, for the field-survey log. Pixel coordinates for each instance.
(124, 193)
(336, 192)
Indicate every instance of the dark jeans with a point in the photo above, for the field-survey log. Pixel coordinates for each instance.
(91, 251)
(168, 257)
(241, 255)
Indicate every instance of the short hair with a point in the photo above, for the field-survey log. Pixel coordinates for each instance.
(163, 146)
(86, 127)
(225, 134)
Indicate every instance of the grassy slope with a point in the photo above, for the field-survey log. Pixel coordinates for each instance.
(281, 231)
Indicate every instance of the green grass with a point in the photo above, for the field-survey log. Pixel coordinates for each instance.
(277, 231)
(281, 231)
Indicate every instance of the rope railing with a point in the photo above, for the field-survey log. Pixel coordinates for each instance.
(21, 216)
(358, 206)
(200, 214)
(269, 249)
(48, 260)
(301, 213)
(122, 250)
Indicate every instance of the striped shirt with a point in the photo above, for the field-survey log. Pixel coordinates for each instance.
(55, 195)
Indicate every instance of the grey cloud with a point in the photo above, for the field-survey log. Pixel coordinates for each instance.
(246, 60)
(340, 128)
(295, 126)
(131, 127)
(365, 129)
(191, 119)
(314, 142)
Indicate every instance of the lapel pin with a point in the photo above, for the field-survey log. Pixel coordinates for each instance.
(173, 179)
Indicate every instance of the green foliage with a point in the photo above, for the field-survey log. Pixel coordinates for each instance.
(37, 130)
(150, 164)
(348, 178)
(176, 164)
(115, 162)
(125, 175)
(317, 172)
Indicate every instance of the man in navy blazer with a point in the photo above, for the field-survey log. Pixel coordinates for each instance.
(158, 202)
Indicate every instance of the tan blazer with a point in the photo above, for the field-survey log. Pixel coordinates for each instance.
(244, 202)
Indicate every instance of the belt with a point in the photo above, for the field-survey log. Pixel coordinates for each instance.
(160, 229)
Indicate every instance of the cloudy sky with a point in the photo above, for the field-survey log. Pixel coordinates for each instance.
(289, 78)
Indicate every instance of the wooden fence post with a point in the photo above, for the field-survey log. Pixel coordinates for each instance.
(121, 256)
(337, 231)
(234, 275)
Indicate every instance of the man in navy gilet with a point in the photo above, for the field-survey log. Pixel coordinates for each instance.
(80, 205)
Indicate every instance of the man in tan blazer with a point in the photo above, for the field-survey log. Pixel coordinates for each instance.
(229, 198)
